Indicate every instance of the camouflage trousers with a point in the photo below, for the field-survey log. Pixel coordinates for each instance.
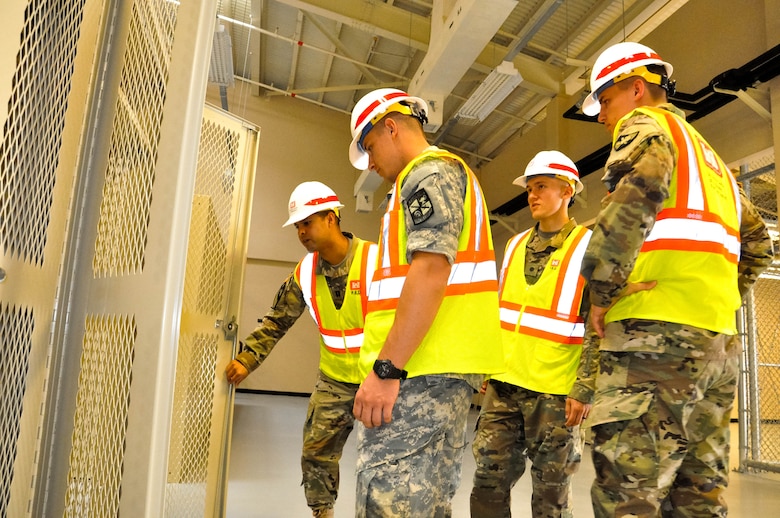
(411, 467)
(329, 421)
(661, 434)
(516, 424)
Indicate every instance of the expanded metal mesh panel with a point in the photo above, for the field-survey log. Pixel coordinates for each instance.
(16, 328)
(100, 423)
(204, 289)
(205, 297)
(127, 193)
(32, 132)
(191, 426)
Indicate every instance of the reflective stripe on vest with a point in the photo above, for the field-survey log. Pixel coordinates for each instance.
(473, 271)
(690, 225)
(561, 322)
(337, 340)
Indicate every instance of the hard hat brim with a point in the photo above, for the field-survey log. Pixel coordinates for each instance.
(522, 181)
(300, 216)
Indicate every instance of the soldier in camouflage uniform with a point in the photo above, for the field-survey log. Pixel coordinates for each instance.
(533, 411)
(669, 356)
(436, 271)
(341, 264)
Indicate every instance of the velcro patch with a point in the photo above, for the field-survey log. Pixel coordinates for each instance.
(420, 206)
(624, 140)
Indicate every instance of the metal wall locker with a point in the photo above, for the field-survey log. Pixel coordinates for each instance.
(107, 216)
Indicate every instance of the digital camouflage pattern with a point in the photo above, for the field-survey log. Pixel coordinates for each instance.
(432, 195)
(329, 421)
(411, 466)
(516, 425)
(664, 390)
(288, 306)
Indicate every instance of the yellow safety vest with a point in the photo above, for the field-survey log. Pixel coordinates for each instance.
(541, 327)
(341, 330)
(693, 248)
(464, 338)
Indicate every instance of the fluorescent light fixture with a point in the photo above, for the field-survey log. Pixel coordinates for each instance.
(221, 65)
(493, 90)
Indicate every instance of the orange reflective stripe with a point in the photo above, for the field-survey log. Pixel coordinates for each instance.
(683, 160)
(342, 332)
(474, 256)
(363, 280)
(687, 245)
(472, 287)
(314, 307)
(343, 350)
(561, 278)
(566, 340)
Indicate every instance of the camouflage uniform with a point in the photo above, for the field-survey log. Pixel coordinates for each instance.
(664, 390)
(329, 419)
(410, 467)
(516, 424)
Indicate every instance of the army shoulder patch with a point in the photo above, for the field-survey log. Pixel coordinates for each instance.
(420, 206)
(624, 140)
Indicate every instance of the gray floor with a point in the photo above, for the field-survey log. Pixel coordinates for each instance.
(264, 479)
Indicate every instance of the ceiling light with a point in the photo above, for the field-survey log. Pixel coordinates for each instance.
(221, 65)
(493, 90)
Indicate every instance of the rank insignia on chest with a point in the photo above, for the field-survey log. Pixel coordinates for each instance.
(354, 286)
(555, 263)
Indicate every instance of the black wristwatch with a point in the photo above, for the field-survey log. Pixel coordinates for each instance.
(386, 370)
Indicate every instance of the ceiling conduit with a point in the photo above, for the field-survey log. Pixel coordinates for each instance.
(699, 104)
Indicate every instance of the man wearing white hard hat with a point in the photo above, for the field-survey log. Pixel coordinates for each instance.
(533, 410)
(675, 219)
(331, 281)
(432, 328)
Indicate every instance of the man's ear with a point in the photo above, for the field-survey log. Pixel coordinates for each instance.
(639, 88)
(391, 125)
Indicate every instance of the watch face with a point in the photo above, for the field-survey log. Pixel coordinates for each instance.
(383, 368)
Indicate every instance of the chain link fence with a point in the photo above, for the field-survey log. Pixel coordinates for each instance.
(759, 393)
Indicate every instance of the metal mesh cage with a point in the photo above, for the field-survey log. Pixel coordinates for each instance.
(29, 152)
(191, 426)
(127, 194)
(204, 290)
(103, 398)
(16, 327)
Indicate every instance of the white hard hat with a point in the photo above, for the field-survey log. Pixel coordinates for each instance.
(310, 198)
(551, 163)
(617, 63)
(371, 108)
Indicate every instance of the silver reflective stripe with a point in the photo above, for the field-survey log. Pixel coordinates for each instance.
(694, 230)
(465, 273)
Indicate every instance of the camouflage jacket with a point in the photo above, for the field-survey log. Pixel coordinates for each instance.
(638, 175)
(538, 251)
(288, 305)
